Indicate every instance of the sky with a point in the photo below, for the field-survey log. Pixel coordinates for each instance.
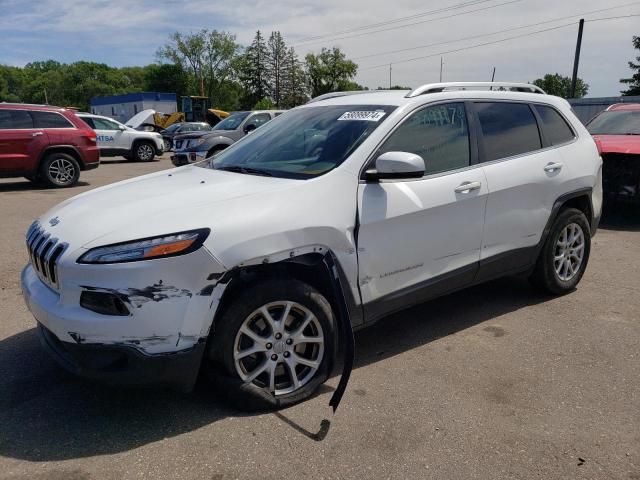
(129, 32)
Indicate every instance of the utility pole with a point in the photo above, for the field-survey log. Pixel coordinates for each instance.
(46, 100)
(389, 76)
(441, 63)
(576, 60)
(493, 75)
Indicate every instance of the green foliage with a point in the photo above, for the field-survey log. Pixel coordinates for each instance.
(394, 87)
(267, 74)
(264, 104)
(252, 70)
(634, 80)
(330, 71)
(208, 54)
(556, 84)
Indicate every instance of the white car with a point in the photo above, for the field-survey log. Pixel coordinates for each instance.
(116, 139)
(252, 265)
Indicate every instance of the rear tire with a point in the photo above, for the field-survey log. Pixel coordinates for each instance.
(143, 152)
(297, 339)
(59, 170)
(565, 254)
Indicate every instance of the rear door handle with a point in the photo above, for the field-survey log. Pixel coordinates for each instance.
(36, 134)
(552, 167)
(467, 187)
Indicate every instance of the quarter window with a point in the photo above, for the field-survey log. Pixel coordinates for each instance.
(555, 127)
(50, 120)
(15, 119)
(507, 129)
(439, 134)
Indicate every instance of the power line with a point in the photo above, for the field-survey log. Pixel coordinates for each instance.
(497, 32)
(414, 23)
(469, 47)
(473, 46)
(397, 20)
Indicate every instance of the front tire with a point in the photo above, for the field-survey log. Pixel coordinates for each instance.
(144, 152)
(273, 346)
(565, 254)
(59, 170)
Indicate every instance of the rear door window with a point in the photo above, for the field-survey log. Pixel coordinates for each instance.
(15, 119)
(508, 129)
(556, 129)
(50, 120)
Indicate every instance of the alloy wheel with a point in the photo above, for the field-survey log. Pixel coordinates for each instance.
(145, 152)
(279, 346)
(569, 252)
(62, 171)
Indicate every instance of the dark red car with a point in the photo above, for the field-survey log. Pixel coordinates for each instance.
(45, 144)
(617, 135)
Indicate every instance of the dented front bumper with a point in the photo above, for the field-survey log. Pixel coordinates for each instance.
(170, 304)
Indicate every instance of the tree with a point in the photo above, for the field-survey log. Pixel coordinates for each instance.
(556, 84)
(329, 71)
(209, 55)
(166, 77)
(634, 81)
(294, 84)
(251, 68)
(276, 66)
(264, 104)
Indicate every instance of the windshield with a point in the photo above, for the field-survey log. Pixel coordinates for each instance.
(616, 123)
(302, 143)
(173, 128)
(232, 122)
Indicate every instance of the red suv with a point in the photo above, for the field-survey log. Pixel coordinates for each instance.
(45, 144)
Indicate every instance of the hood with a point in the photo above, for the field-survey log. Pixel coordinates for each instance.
(170, 201)
(629, 144)
(145, 116)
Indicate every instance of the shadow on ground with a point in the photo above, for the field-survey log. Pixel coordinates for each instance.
(47, 414)
(26, 185)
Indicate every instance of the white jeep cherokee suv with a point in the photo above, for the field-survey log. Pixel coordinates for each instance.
(116, 139)
(253, 265)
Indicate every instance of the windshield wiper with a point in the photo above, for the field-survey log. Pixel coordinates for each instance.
(247, 170)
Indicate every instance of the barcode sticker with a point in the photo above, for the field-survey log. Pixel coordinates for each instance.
(369, 116)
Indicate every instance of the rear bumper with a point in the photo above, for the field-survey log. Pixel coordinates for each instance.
(125, 365)
(91, 166)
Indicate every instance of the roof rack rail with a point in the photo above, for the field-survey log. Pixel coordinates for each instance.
(440, 87)
(329, 95)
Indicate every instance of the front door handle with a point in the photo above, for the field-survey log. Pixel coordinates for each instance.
(467, 187)
(36, 134)
(552, 167)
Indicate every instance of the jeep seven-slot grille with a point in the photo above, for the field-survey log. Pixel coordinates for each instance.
(44, 252)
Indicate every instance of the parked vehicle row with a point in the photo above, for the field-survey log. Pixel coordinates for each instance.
(324, 220)
(199, 145)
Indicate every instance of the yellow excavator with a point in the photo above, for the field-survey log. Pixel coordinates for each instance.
(194, 109)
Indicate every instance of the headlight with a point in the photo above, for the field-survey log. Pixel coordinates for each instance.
(147, 248)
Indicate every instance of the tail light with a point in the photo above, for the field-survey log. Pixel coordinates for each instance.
(91, 135)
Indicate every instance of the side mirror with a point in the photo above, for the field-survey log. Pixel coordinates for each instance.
(396, 165)
(122, 128)
(249, 128)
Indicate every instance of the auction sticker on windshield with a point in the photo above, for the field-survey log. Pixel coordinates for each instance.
(362, 115)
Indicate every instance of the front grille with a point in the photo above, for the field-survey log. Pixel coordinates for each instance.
(44, 253)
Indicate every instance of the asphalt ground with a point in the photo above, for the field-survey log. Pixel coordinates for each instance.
(495, 382)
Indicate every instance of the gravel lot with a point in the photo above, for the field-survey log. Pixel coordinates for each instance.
(494, 382)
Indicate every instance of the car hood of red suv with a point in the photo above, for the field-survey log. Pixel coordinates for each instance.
(629, 144)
